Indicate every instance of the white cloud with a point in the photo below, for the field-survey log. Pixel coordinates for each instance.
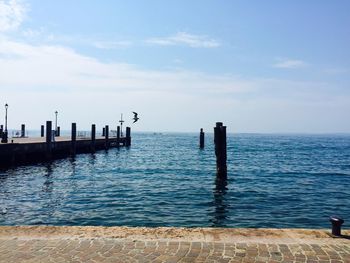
(41, 35)
(290, 64)
(49, 67)
(36, 80)
(12, 14)
(31, 33)
(186, 39)
(112, 44)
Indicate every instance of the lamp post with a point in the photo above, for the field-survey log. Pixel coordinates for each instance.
(121, 125)
(56, 112)
(6, 107)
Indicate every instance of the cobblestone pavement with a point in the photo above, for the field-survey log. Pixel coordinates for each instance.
(72, 248)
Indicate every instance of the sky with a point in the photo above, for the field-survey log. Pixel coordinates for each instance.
(258, 66)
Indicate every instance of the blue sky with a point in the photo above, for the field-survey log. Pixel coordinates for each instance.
(258, 66)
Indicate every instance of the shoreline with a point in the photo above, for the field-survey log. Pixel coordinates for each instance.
(246, 235)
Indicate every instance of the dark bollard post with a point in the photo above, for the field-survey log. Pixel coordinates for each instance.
(3, 134)
(93, 137)
(201, 139)
(103, 132)
(74, 139)
(118, 136)
(42, 130)
(220, 150)
(23, 130)
(336, 225)
(58, 132)
(48, 139)
(128, 136)
(106, 137)
(4, 138)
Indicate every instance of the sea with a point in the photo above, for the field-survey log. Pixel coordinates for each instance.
(164, 179)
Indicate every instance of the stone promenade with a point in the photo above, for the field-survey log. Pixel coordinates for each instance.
(122, 244)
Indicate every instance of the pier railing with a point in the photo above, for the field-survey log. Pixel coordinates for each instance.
(22, 149)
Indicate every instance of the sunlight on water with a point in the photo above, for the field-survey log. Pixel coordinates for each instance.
(165, 180)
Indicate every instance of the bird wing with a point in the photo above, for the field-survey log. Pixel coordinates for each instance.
(135, 114)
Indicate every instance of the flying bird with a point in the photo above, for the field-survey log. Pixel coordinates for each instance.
(135, 117)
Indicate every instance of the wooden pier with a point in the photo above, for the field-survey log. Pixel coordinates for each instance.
(25, 150)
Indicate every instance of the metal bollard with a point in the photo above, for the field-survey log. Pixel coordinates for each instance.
(336, 225)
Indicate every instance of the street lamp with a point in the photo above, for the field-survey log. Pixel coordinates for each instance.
(56, 112)
(121, 125)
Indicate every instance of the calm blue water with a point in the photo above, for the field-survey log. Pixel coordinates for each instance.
(165, 180)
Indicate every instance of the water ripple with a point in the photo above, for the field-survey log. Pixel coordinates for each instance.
(165, 180)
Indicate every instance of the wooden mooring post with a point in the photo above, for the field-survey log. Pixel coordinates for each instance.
(93, 138)
(220, 150)
(106, 137)
(58, 132)
(48, 140)
(23, 130)
(42, 131)
(74, 139)
(201, 139)
(128, 136)
(118, 136)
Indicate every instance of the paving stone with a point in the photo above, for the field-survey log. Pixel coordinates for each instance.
(118, 250)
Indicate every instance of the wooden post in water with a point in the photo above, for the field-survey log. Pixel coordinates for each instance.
(42, 130)
(201, 139)
(74, 139)
(48, 139)
(93, 137)
(220, 150)
(23, 130)
(128, 136)
(103, 132)
(118, 136)
(106, 137)
(58, 132)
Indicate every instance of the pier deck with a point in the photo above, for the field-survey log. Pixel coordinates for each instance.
(20, 151)
(124, 244)
(28, 140)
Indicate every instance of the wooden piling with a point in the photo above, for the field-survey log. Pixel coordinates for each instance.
(106, 137)
(201, 139)
(128, 136)
(74, 139)
(118, 136)
(23, 130)
(42, 131)
(103, 132)
(48, 139)
(58, 132)
(33, 150)
(220, 150)
(93, 137)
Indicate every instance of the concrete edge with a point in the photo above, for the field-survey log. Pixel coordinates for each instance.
(256, 235)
